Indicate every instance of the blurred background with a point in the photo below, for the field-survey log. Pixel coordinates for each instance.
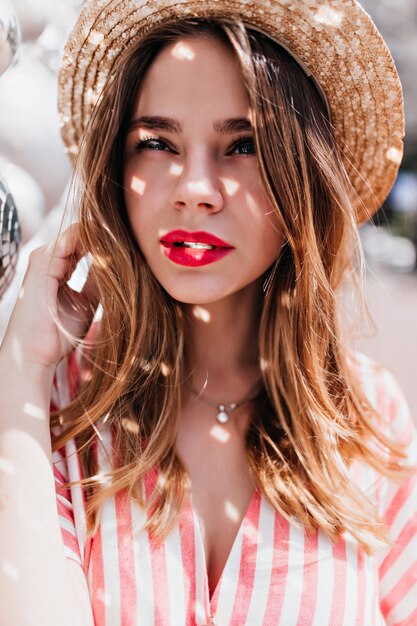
(34, 173)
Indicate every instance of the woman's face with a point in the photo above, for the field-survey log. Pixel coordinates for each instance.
(190, 165)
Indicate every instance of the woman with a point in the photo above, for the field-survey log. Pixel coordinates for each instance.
(230, 460)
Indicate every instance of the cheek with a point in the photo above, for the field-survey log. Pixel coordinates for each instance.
(135, 205)
(142, 197)
(135, 184)
(269, 228)
(260, 210)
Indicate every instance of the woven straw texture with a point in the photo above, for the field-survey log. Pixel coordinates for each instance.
(335, 41)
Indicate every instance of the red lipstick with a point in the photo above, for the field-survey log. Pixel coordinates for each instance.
(194, 248)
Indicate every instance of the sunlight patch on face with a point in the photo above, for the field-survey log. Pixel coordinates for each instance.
(219, 433)
(138, 186)
(182, 51)
(197, 188)
(201, 314)
(230, 185)
(231, 511)
(176, 169)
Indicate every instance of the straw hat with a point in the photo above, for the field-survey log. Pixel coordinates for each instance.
(335, 42)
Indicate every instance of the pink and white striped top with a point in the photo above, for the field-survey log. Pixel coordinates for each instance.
(277, 574)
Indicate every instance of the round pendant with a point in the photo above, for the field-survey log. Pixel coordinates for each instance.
(222, 417)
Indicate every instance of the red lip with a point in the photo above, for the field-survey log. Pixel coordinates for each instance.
(199, 236)
(193, 257)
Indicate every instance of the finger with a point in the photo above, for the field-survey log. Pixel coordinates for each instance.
(76, 311)
(64, 253)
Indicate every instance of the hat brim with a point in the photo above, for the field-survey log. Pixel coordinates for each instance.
(336, 42)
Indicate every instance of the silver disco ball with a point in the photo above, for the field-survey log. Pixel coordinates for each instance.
(10, 238)
(9, 35)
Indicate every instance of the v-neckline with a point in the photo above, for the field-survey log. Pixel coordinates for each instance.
(211, 602)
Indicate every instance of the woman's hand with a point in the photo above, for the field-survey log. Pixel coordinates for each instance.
(32, 335)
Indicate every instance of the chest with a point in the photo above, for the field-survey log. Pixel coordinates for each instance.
(222, 489)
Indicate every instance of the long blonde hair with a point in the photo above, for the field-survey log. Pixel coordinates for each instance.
(313, 418)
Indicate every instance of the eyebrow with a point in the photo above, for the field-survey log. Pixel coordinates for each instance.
(170, 124)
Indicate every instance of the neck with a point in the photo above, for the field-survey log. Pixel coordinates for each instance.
(222, 344)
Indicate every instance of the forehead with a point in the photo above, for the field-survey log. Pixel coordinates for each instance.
(195, 75)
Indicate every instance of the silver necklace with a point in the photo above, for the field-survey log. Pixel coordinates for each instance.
(224, 409)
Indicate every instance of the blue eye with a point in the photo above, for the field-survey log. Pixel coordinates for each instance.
(246, 144)
(152, 143)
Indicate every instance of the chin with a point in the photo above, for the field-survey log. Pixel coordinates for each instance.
(195, 298)
(199, 289)
(201, 296)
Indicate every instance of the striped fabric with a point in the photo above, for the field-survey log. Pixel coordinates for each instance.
(277, 574)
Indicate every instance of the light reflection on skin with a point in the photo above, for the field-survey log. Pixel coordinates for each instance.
(176, 169)
(182, 52)
(231, 186)
(219, 433)
(231, 511)
(200, 313)
(197, 187)
(10, 570)
(33, 411)
(138, 185)
(7, 467)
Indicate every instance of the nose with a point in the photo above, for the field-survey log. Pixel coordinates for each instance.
(198, 185)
